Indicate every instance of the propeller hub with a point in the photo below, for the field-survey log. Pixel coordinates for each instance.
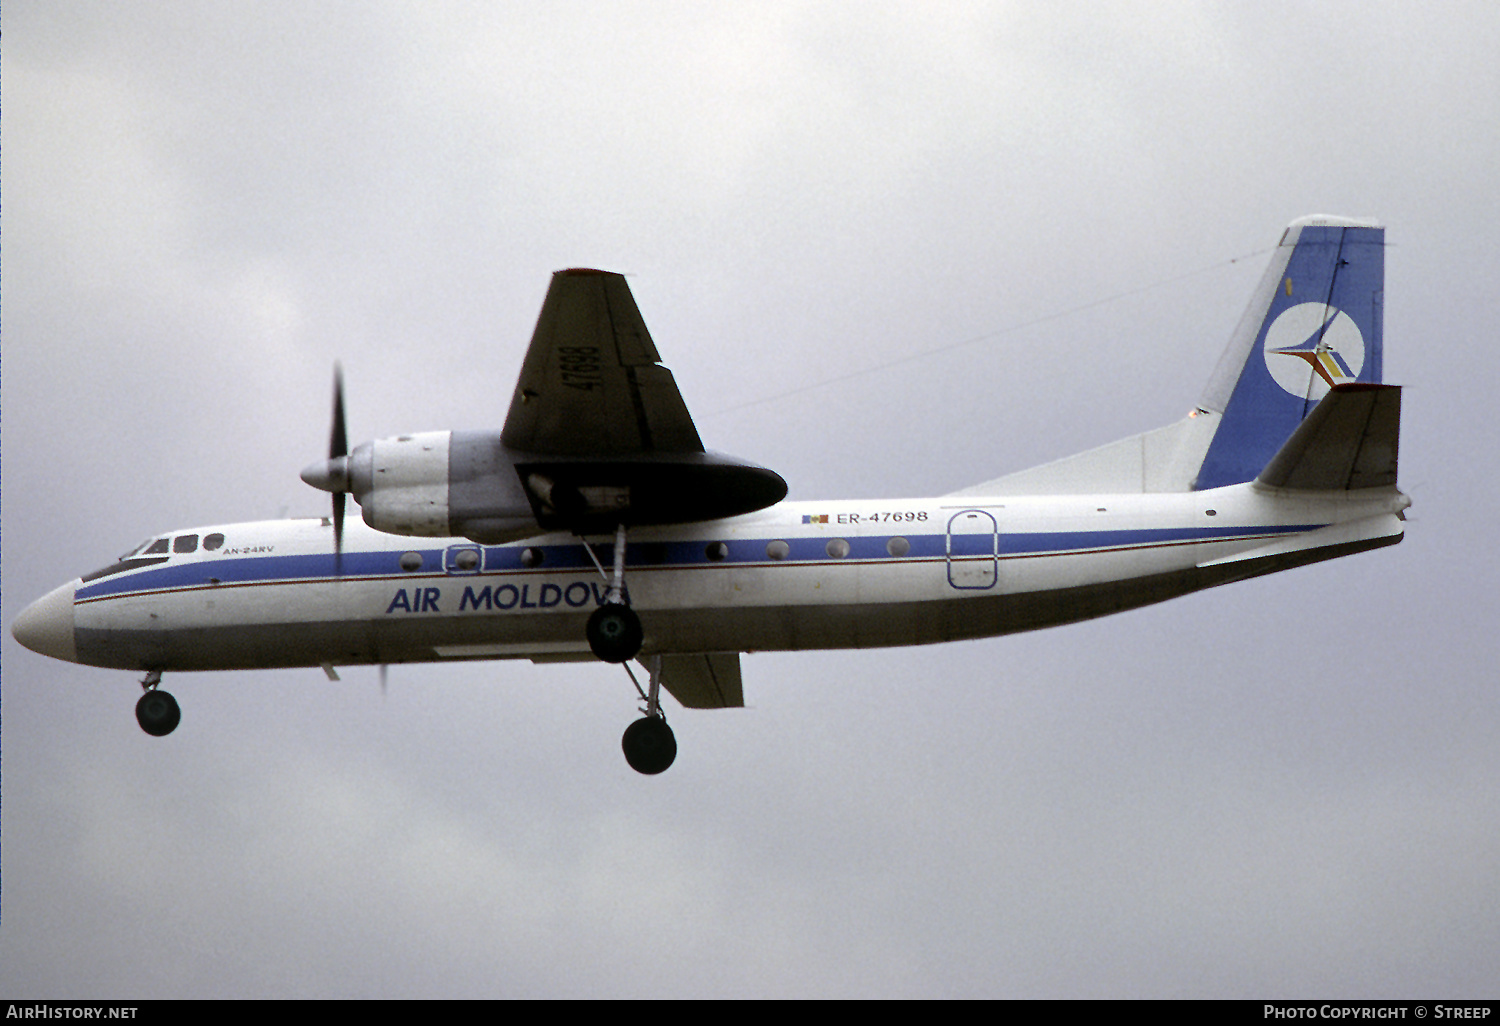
(329, 476)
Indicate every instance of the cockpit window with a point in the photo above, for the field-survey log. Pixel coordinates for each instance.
(150, 552)
(138, 548)
(128, 563)
(212, 541)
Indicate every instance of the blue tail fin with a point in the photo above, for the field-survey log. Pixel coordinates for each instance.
(1314, 322)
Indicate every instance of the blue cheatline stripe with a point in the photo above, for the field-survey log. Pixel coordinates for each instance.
(271, 569)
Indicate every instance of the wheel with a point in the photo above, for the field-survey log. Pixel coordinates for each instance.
(649, 745)
(158, 713)
(614, 633)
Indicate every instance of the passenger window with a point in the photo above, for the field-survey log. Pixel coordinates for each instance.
(185, 543)
(160, 545)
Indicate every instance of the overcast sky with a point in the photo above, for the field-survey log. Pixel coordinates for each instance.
(887, 250)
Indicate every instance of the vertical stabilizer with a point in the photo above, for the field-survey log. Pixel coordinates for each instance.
(1314, 322)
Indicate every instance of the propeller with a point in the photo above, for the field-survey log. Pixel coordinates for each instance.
(338, 449)
(333, 476)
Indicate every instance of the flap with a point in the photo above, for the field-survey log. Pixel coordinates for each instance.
(703, 680)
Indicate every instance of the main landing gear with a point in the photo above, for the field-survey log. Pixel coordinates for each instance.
(615, 636)
(157, 712)
(650, 747)
(614, 631)
(649, 743)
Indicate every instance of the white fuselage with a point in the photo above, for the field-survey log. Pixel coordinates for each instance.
(798, 575)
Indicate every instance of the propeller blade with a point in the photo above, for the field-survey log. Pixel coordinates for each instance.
(332, 474)
(338, 533)
(338, 442)
(338, 448)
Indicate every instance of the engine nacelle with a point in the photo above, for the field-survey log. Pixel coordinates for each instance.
(468, 484)
(440, 484)
(401, 483)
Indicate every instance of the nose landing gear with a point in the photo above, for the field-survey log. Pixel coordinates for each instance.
(157, 711)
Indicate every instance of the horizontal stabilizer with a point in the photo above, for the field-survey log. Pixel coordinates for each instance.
(1349, 441)
(704, 680)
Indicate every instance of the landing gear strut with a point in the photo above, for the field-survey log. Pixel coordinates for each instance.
(649, 743)
(614, 631)
(157, 712)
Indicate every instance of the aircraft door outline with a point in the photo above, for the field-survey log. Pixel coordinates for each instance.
(973, 550)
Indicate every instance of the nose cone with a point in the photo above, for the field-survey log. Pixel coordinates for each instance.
(46, 626)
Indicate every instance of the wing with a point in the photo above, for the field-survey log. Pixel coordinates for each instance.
(598, 434)
(592, 384)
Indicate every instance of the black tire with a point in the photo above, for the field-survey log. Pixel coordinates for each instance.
(158, 713)
(614, 633)
(649, 745)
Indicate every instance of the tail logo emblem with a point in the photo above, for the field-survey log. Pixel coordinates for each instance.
(1311, 347)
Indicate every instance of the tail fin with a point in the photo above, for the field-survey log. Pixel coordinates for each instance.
(1314, 322)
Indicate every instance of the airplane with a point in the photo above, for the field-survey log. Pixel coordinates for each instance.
(594, 524)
